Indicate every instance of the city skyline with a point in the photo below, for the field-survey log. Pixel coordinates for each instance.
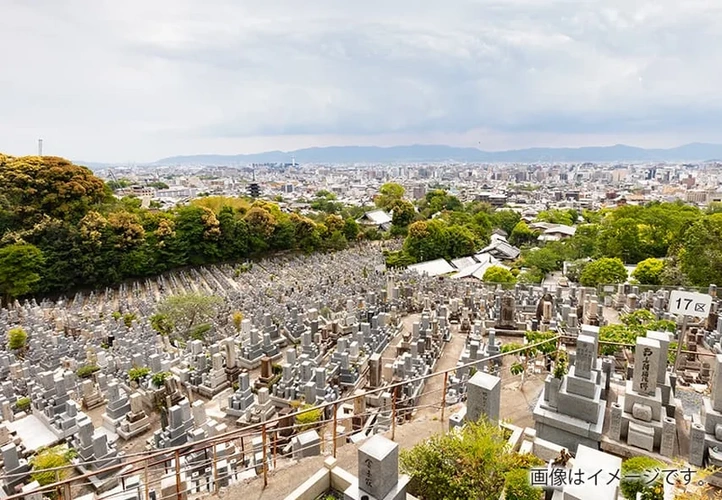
(133, 82)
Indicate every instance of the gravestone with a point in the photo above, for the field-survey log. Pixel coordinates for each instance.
(484, 397)
(378, 472)
(570, 412)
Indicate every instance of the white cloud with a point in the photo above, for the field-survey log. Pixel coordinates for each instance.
(108, 80)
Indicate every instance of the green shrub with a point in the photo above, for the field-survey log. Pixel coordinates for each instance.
(633, 478)
(51, 458)
(17, 338)
(137, 374)
(470, 463)
(158, 379)
(23, 404)
(518, 487)
(308, 417)
(86, 371)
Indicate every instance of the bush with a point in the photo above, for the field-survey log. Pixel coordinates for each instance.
(472, 463)
(128, 319)
(497, 274)
(137, 374)
(87, 371)
(158, 379)
(518, 487)
(51, 458)
(23, 404)
(561, 365)
(309, 417)
(633, 478)
(17, 338)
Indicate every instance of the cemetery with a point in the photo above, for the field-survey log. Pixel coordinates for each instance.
(219, 376)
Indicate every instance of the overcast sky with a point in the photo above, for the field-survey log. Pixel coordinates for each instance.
(137, 80)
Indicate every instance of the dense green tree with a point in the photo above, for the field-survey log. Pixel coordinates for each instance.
(233, 241)
(20, 267)
(505, 220)
(649, 271)
(496, 274)
(604, 271)
(546, 259)
(389, 194)
(522, 234)
(565, 217)
(427, 240)
(325, 201)
(700, 256)
(584, 242)
(622, 239)
(350, 229)
(161, 324)
(34, 186)
(403, 213)
(439, 200)
(462, 242)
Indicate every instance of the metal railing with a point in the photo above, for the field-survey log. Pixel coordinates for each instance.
(181, 461)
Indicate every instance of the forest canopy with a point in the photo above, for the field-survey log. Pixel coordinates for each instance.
(61, 228)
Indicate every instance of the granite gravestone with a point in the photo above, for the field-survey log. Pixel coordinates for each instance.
(484, 397)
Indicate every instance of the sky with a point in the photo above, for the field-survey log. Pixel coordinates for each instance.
(135, 81)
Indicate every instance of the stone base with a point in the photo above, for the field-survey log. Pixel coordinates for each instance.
(250, 364)
(128, 430)
(567, 431)
(112, 424)
(353, 492)
(102, 485)
(210, 392)
(625, 451)
(232, 373)
(94, 402)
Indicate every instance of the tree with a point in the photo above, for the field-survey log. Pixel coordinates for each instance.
(545, 259)
(189, 310)
(389, 193)
(505, 220)
(403, 213)
(576, 268)
(17, 339)
(427, 240)
(496, 274)
(649, 271)
(47, 185)
(604, 271)
(20, 267)
(700, 256)
(350, 229)
(461, 241)
(522, 234)
(565, 217)
(162, 324)
(471, 464)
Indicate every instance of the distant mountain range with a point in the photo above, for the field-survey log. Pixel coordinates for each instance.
(430, 153)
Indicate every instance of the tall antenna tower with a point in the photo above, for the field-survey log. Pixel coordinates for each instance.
(40, 147)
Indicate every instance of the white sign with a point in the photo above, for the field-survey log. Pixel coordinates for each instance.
(690, 303)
